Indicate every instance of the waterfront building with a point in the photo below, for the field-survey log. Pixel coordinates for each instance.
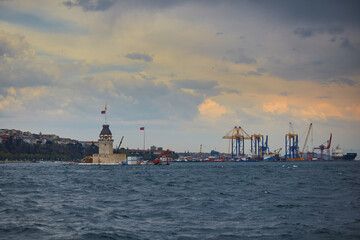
(106, 155)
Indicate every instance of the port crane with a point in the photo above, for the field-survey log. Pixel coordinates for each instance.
(258, 147)
(291, 145)
(117, 149)
(276, 153)
(322, 147)
(302, 153)
(237, 135)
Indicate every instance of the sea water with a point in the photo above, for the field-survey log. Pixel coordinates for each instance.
(225, 200)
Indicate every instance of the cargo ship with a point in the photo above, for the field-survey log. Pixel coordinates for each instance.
(338, 155)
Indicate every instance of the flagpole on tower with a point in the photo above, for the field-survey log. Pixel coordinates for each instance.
(143, 129)
(105, 113)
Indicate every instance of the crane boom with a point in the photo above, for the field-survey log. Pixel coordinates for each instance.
(291, 128)
(237, 132)
(322, 147)
(117, 149)
(158, 161)
(307, 137)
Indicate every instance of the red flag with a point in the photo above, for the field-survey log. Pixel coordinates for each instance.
(142, 128)
(103, 112)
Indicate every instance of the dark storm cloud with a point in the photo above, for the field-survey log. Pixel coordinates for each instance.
(306, 11)
(139, 56)
(338, 62)
(310, 11)
(311, 31)
(90, 5)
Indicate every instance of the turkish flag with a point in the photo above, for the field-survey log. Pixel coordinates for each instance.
(142, 128)
(103, 112)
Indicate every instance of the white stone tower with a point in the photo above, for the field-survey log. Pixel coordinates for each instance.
(105, 141)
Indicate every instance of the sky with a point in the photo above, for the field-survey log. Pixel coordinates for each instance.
(187, 71)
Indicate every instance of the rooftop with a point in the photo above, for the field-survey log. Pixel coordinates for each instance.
(105, 130)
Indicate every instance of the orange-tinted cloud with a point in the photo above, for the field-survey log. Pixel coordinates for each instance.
(212, 109)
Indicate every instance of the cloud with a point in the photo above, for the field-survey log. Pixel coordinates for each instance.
(137, 98)
(139, 56)
(334, 65)
(345, 81)
(208, 88)
(196, 84)
(259, 72)
(321, 111)
(284, 94)
(13, 45)
(276, 107)
(324, 97)
(312, 31)
(37, 22)
(238, 57)
(304, 33)
(18, 66)
(310, 11)
(70, 76)
(90, 5)
(211, 109)
(345, 43)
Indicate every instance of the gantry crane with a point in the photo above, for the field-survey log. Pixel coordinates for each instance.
(258, 146)
(291, 145)
(237, 135)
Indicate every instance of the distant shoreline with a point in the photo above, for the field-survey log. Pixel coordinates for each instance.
(28, 161)
(17, 161)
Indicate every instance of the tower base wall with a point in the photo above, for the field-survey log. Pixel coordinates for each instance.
(109, 158)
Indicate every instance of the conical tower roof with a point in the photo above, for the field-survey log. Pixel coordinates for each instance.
(105, 130)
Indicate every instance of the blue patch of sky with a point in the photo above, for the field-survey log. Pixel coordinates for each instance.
(38, 23)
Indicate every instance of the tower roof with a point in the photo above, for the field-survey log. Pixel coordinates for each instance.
(105, 130)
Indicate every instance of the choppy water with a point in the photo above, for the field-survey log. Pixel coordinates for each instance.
(181, 201)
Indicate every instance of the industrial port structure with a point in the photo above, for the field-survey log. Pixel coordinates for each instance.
(259, 150)
(237, 137)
